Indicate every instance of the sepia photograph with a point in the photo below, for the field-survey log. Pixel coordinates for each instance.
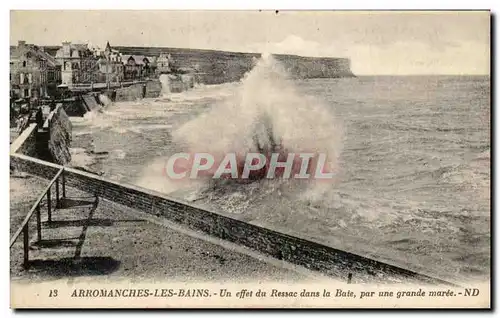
(250, 159)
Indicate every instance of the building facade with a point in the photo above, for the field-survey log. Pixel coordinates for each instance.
(33, 72)
(78, 64)
(137, 67)
(53, 73)
(163, 64)
(111, 68)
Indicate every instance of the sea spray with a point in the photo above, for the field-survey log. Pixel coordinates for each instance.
(81, 158)
(104, 100)
(165, 85)
(267, 113)
(265, 110)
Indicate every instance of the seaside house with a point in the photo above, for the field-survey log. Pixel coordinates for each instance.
(137, 67)
(78, 64)
(111, 68)
(33, 72)
(163, 64)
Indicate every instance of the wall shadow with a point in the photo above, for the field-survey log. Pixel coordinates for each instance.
(71, 267)
(86, 222)
(66, 203)
(56, 243)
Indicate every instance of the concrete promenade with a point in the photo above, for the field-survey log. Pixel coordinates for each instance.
(90, 237)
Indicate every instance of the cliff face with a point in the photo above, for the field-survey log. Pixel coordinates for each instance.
(216, 67)
(312, 67)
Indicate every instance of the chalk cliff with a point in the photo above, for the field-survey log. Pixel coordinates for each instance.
(316, 67)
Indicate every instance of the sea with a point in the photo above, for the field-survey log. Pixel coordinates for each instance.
(411, 157)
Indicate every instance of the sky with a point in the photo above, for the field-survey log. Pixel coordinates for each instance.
(378, 43)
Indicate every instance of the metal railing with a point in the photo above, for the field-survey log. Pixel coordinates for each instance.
(104, 85)
(24, 228)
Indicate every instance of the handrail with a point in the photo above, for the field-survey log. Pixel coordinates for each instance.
(97, 84)
(34, 208)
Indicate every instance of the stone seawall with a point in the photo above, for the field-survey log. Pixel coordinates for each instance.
(26, 142)
(312, 255)
(90, 102)
(153, 88)
(131, 93)
(59, 130)
(149, 89)
(79, 105)
(51, 142)
(180, 82)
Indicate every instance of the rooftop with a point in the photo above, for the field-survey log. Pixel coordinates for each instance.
(36, 50)
(139, 59)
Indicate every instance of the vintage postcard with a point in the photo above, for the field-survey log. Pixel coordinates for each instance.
(250, 159)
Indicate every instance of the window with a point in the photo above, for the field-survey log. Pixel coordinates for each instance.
(24, 63)
(26, 92)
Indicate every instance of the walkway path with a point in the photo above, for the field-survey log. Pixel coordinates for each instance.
(94, 237)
